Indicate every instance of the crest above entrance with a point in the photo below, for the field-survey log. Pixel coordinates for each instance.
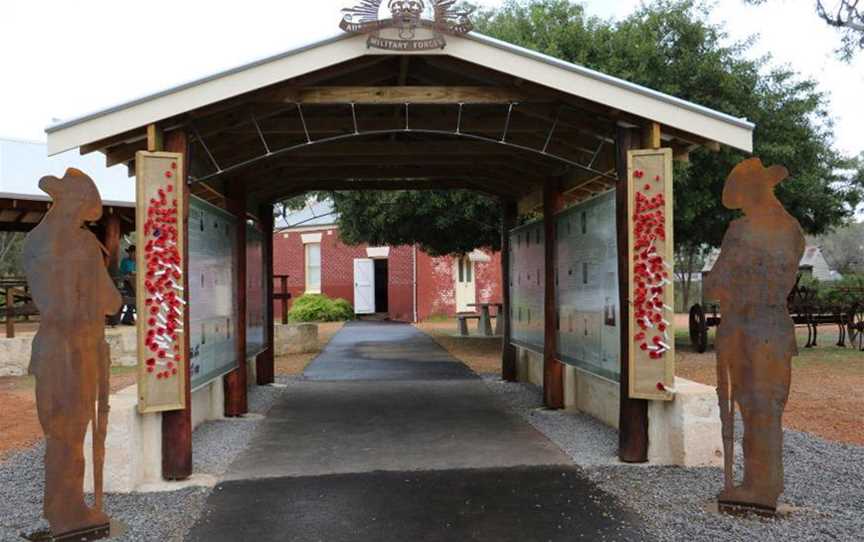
(407, 28)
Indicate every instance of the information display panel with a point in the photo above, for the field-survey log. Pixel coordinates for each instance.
(212, 299)
(651, 256)
(527, 286)
(588, 332)
(159, 282)
(255, 292)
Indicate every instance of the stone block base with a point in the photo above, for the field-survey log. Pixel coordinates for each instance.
(685, 431)
(296, 338)
(133, 447)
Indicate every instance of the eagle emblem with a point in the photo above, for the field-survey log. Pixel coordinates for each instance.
(440, 17)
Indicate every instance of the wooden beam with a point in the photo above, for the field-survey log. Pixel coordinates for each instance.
(509, 216)
(633, 413)
(553, 370)
(177, 424)
(651, 136)
(236, 398)
(154, 138)
(405, 94)
(264, 365)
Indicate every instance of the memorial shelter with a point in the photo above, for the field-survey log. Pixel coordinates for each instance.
(588, 305)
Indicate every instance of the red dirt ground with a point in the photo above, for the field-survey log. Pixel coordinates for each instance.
(827, 396)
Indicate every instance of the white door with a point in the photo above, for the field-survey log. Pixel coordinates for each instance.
(364, 286)
(466, 291)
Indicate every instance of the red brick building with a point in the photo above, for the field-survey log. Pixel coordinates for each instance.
(407, 284)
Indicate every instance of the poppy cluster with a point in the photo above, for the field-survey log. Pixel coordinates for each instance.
(651, 272)
(162, 282)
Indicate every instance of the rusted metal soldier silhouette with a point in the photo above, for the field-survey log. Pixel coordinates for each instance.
(752, 279)
(70, 360)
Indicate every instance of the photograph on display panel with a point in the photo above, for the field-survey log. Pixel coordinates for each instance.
(527, 285)
(587, 295)
(212, 236)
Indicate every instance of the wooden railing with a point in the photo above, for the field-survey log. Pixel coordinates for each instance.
(283, 295)
(15, 302)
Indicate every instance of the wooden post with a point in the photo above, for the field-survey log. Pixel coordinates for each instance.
(177, 424)
(553, 370)
(283, 280)
(633, 415)
(112, 242)
(10, 320)
(266, 372)
(508, 354)
(236, 400)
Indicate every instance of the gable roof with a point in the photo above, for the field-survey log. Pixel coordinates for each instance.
(475, 48)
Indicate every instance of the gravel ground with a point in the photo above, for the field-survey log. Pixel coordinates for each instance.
(824, 481)
(148, 516)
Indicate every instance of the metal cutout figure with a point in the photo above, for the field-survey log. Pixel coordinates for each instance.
(70, 359)
(752, 278)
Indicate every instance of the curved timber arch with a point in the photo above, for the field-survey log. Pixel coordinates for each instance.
(457, 132)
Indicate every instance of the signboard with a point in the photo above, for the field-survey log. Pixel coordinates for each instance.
(255, 292)
(587, 287)
(405, 25)
(650, 251)
(527, 288)
(213, 304)
(160, 282)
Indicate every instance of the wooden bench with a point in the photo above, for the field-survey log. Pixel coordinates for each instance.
(463, 322)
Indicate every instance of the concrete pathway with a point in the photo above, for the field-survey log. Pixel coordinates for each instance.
(392, 439)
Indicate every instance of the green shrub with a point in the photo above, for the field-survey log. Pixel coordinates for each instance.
(320, 308)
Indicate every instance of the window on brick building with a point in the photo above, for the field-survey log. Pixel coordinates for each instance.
(313, 268)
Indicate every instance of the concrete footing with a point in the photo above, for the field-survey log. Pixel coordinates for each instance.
(133, 446)
(685, 431)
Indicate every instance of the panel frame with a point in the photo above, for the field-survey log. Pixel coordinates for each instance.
(193, 201)
(638, 359)
(567, 359)
(146, 187)
(538, 348)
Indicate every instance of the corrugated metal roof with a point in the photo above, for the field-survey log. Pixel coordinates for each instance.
(316, 213)
(673, 111)
(23, 163)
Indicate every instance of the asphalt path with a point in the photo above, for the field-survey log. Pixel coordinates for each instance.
(391, 439)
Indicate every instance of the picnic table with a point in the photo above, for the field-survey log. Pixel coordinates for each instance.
(485, 323)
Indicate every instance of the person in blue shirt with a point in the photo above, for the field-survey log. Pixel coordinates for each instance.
(127, 265)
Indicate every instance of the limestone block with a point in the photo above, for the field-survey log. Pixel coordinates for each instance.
(598, 397)
(133, 446)
(15, 355)
(123, 342)
(686, 431)
(208, 403)
(296, 338)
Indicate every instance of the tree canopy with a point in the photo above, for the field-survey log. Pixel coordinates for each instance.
(670, 46)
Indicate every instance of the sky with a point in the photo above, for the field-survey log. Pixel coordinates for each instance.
(61, 59)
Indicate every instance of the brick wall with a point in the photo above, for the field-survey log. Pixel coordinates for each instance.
(435, 281)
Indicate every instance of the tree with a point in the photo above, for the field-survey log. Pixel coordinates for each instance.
(670, 46)
(844, 248)
(845, 15)
(10, 253)
(440, 221)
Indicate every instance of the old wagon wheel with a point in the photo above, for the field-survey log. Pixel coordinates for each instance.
(855, 326)
(698, 328)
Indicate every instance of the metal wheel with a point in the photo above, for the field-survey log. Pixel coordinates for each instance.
(855, 327)
(698, 328)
